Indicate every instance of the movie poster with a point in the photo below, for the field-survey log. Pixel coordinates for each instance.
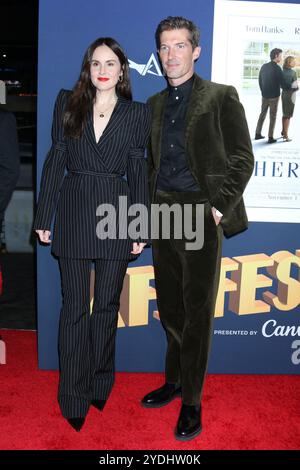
(244, 35)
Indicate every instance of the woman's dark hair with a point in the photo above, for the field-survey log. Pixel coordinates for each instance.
(84, 92)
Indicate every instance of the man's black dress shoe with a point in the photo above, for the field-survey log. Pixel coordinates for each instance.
(99, 404)
(161, 396)
(271, 140)
(189, 423)
(259, 136)
(76, 423)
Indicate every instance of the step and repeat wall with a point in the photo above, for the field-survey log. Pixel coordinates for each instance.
(257, 315)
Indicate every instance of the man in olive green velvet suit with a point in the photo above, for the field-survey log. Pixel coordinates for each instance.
(199, 152)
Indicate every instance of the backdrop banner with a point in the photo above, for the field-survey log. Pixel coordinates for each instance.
(257, 316)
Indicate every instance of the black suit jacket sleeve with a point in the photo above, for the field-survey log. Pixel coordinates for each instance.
(238, 148)
(53, 169)
(9, 158)
(137, 166)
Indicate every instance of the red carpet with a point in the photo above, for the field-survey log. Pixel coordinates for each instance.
(239, 411)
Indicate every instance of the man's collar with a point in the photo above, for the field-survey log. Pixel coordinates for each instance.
(185, 88)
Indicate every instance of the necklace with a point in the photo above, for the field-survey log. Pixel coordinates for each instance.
(102, 113)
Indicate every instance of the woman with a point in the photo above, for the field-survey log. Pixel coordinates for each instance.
(99, 134)
(288, 95)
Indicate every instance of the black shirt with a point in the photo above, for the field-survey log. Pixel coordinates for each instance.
(174, 174)
(270, 80)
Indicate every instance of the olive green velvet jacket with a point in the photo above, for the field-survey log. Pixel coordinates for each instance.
(218, 148)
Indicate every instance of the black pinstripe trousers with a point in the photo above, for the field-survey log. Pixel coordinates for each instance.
(87, 341)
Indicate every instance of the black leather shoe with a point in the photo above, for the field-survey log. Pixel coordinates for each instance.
(99, 404)
(189, 423)
(259, 136)
(161, 396)
(76, 423)
(271, 140)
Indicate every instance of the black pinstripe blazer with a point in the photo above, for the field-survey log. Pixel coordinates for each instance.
(75, 196)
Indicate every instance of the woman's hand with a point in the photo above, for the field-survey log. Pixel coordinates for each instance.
(138, 248)
(44, 236)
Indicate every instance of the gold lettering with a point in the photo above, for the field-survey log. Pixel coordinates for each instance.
(225, 284)
(241, 286)
(288, 291)
(243, 300)
(136, 293)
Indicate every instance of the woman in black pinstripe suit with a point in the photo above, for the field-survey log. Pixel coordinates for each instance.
(98, 135)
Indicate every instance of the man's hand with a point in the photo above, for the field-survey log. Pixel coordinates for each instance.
(216, 215)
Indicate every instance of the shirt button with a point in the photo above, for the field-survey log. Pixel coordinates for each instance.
(172, 145)
(175, 88)
(174, 169)
(177, 98)
(173, 120)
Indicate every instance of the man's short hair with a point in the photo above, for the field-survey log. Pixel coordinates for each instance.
(274, 53)
(178, 22)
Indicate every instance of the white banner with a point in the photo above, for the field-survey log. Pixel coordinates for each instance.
(244, 35)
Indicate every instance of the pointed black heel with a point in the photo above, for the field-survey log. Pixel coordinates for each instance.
(76, 423)
(99, 404)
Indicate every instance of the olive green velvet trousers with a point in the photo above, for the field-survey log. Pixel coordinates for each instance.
(186, 285)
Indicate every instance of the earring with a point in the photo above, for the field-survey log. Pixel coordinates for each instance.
(121, 78)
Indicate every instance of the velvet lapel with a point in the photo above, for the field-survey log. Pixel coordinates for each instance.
(157, 126)
(197, 105)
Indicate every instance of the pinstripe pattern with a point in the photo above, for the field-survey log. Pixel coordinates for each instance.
(87, 342)
(75, 197)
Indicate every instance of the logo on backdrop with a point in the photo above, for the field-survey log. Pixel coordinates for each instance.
(242, 286)
(241, 281)
(152, 67)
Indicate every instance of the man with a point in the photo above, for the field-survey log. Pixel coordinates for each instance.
(9, 160)
(270, 80)
(199, 152)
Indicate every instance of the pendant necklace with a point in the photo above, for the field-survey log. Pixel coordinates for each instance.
(102, 115)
